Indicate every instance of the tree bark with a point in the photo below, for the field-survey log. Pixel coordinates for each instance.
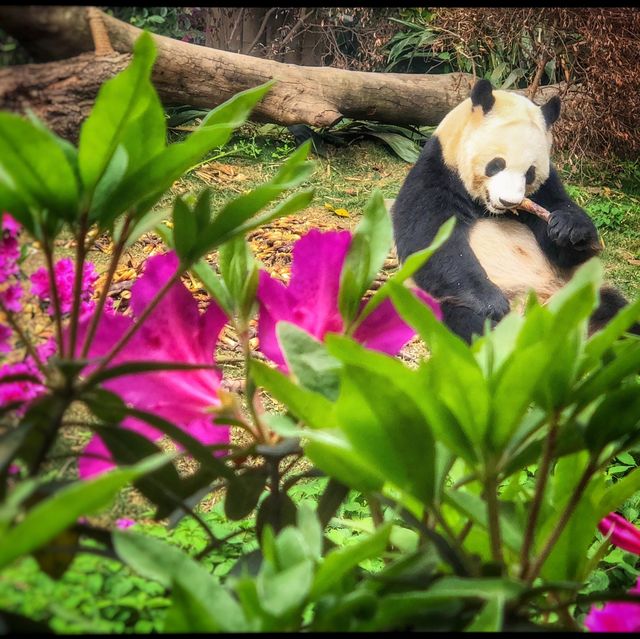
(204, 77)
(59, 93)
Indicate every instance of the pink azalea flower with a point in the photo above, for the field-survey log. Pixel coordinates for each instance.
(174, 331)
(623, 533)
(5, 338)
(9, 247)
(19, 391)
(616, 616)
(123, 524)
(64, 275)
(311, 300)
(11, 297)
(10, 225)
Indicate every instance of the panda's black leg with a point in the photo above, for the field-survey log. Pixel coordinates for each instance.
(611, 301)
(463, 321)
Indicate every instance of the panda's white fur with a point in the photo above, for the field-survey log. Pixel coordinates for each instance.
(511, 256)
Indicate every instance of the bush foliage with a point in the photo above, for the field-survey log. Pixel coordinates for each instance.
(486, 469)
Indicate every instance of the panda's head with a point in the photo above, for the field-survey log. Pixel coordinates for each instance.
(499, 143)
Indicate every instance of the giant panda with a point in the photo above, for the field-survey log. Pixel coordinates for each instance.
(485, 156)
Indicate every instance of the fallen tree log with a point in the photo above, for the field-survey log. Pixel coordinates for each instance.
(59, 93)
(204, 77)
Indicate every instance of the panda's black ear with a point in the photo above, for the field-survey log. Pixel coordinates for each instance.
(551, 110)
(482, 95)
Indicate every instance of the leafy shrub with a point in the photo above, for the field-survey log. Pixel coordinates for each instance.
(484, 473)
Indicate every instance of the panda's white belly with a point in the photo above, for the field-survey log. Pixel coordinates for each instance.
(511, 256)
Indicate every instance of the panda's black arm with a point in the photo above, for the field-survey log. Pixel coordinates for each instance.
(570, 236)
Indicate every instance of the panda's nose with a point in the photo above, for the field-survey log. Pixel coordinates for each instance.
(508, 204)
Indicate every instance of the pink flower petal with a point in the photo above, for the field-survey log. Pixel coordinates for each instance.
(624, 534)
(316, 268)
(385, 331)
(5, 338)
(616, 616)
(97, 459)
(275, 306)
(158, 269)
(174, 331)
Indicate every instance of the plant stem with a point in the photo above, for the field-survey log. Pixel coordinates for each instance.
(493, 517)
(563, 521)
(541, 485)
(104, 293)
(47, 248)
(250, 387)
(13, 322)
(77, 284)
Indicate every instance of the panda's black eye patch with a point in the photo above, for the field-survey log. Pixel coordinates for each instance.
(494, 167)
(530, 175)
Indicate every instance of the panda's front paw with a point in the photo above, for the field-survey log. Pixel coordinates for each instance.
(566, 228)
(494, 305)
(498, 306)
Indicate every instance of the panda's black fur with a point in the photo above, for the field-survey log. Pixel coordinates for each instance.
(433, 192)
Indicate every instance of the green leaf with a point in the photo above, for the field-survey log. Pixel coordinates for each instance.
(214, 285)
(368, 250)
(403, 147)
(388, 430)
(616, 495)
(234, 217)
(105, 405)
(35, 174)
(311, 407)
(411, 265)
(243, 492)
(309, 360)
(163, 487)
(235, 261)
(126, 111)
(475, 509)
(240, 274)
(626, 361)
(617, 415)
(144, 186)
(55, 514)
(185, 229)
(575, 301)
(281, 592)
(450, 367)
(490, 618)
(601, 341)
(310, 526)
(417, 384)
(276, 511)
(192, 445)
(514, 390)
(482, 588)
(17, 205)
(341, 561)
(199, 604)
(111, 178)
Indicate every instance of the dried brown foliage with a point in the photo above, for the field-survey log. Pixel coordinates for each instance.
(598, 52)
